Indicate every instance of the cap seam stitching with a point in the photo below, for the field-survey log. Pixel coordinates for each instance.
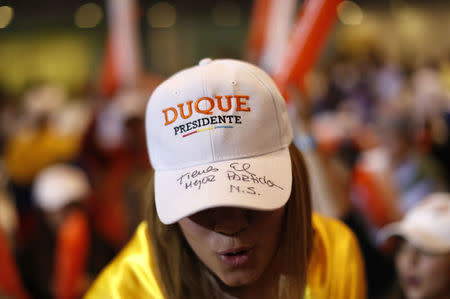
(273, 101)
(205, 93)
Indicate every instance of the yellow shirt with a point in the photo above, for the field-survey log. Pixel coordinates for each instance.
(336, 269)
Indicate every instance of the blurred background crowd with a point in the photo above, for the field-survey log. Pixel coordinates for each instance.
(372, 117)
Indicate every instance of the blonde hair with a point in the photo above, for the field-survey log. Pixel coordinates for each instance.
(181, 274)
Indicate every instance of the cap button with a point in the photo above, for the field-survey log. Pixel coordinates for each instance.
(205, 61)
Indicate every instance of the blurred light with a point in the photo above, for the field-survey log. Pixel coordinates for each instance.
(88, 15)
(226, 14)
(6, 15)
(349, 13)
(162, 15)
(398, 5)
(411, 25)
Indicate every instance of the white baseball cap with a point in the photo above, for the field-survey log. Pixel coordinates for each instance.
(218, 135)
(426, 225)
(59, 185)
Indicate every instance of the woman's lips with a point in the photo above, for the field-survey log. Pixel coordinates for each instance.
(236, 257)
(412, 281)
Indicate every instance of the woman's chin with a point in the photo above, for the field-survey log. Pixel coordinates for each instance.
(236, 280)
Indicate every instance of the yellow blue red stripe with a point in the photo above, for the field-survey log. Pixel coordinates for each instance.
(206, 129)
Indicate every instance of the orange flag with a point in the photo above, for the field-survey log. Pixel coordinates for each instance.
(375, 194)
(257, 31)
(314, 22)
(109, 81)
(72, 250)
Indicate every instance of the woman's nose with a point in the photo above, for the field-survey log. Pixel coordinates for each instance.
(230, 221)
(413, 257)
(409, 256)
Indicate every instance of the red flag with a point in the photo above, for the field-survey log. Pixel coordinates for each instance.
(10, 283)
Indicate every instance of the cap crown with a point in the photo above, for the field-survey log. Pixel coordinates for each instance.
(59, 185)
(431, 216)
(219, 110)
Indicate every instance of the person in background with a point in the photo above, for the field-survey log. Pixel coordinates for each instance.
(35, 143)
(422, 258)
(415, 174)
(54, 263)
(114, 156)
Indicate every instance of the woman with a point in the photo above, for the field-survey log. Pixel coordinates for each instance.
(422, 258)
(229, 205)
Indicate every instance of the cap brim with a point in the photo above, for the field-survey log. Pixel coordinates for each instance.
(259, 183)
(389, 231)
(419, 239)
